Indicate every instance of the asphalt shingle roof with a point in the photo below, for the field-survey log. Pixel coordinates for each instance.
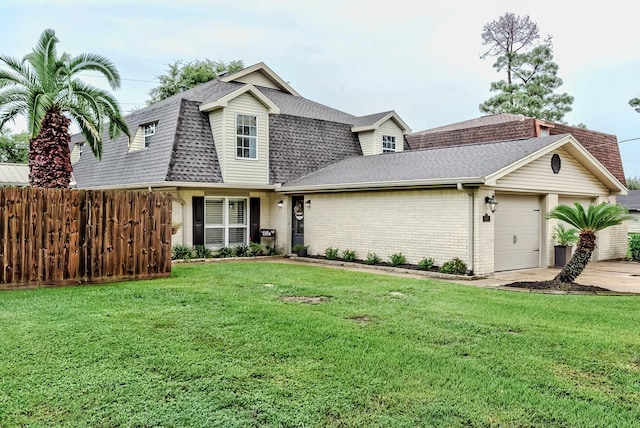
(469, 161)
(630, 201)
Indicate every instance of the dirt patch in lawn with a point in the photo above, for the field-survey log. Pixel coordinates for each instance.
(306, 299)
(361, 318)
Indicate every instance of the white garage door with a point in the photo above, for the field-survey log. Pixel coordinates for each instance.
(517, 232)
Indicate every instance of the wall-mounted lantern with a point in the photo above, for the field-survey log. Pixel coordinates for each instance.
(491, 200)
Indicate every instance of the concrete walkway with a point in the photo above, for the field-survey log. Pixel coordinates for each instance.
(618, 276)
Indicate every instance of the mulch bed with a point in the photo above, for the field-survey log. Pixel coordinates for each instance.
(553, 285)
(381, 263)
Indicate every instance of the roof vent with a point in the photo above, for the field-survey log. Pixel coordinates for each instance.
(222, 74)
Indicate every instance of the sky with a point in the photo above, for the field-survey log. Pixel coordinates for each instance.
(419, 58)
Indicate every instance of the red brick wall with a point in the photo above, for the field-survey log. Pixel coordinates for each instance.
(603, 147)
(500, 132)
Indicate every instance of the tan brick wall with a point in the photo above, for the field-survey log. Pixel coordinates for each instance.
(417, 223)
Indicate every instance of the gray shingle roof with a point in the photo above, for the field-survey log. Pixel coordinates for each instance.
(630, 201)
(469, 161)
(182, 148)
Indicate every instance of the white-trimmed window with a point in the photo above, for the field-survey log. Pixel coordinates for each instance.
(246, 136)
(149, 130)
(388, 144)
(226, 222)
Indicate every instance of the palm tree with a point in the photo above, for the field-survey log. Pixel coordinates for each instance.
(588, 222)
(45, 88)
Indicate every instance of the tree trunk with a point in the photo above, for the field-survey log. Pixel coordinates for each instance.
(49, 154)
(580, 258)
(574, 268)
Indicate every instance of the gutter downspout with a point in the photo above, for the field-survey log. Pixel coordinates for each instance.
(471, 239)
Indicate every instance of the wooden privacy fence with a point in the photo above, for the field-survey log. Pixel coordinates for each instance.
(62, 236)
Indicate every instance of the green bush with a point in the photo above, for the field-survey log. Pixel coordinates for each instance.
(181, 252)
(256, 249)
(455, 266)
(202, 252)
(349, 255)
(397, 259)
(634, 247)
(426, 263)
(225, 252)
(372, 259)
(331, 253)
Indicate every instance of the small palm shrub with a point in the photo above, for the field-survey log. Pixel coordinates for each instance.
(634, 247)
(372, 259)
(349, 255)
(397, 259)
(331, 253)
(455, 267)
(426, 263)
(256, 249)
(181, 252)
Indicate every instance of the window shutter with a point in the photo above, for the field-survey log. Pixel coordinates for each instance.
(198, 220)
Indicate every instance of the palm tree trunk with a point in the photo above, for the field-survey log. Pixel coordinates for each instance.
(49, 154)
(575, 266)
(579, 260)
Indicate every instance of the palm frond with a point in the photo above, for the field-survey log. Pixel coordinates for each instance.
(94, 62)
(594, 218)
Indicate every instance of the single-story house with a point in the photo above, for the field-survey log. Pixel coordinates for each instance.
(631, 201)
(245, 155)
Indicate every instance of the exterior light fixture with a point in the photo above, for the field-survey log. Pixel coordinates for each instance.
(280, 203)
(307, 203)
(491, 200)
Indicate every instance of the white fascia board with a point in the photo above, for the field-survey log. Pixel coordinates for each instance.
(344, 187)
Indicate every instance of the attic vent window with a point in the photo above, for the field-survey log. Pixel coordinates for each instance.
(388, 144)
(555, 163)
(149, 131)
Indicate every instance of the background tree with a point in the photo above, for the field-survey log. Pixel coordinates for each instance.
(14, 148)
(185, 76)
(588, 222)
(531, 91)
(633, 183)
(506, 36)
(635, 103)
(45, 88)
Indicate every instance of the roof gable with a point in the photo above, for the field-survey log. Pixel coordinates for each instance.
(248, 88)
(373, 121)
(260, 73)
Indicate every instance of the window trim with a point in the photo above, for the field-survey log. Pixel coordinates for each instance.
(226, 225)
(388, 148)
(147, 137)
(249, 137)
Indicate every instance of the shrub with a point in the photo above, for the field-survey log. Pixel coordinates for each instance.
(349, 255)
(256, 249)
(372, 259)
(397, 259)
(181, 252)
(455, 266)
(201, 252)
(242, 251)
(331, 253)
(226, 252)
(426, 263)
(634, 247)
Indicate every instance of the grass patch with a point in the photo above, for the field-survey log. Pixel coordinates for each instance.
(227, 344)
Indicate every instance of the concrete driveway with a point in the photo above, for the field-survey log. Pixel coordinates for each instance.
(621, 276)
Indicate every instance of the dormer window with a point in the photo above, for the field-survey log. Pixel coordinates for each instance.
(246, 136)
(76, 152)
(388, 144)
(149, 130)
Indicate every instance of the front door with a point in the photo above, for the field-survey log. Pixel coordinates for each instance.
(297, 221)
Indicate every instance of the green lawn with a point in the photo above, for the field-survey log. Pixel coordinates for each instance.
(217, 345)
